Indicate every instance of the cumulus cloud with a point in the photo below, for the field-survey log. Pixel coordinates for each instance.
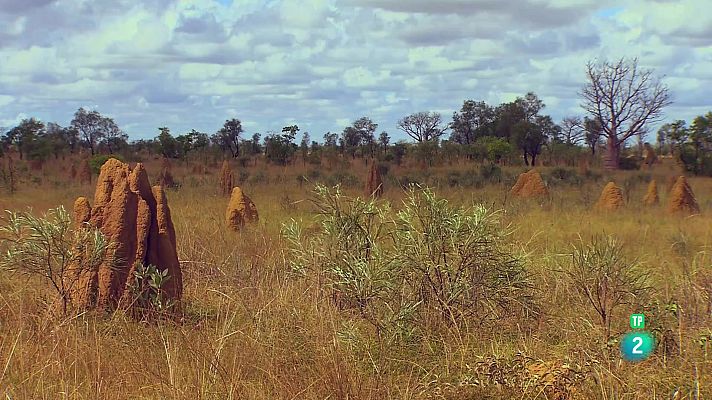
(324, 63)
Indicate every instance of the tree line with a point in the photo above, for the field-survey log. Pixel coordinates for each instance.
(620, 101)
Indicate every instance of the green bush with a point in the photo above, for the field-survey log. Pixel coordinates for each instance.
(48, 247)
(402, 270)
(96, 161)
(698, 163)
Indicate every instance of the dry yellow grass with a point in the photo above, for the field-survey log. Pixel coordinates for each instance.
(253, 332)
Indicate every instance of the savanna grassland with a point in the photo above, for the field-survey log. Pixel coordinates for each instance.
(252, 329)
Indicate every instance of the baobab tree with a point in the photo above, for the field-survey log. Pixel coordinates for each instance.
(422, 126)
(624, 99)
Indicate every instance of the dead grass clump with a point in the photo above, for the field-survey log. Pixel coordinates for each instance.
(529, 184)
(136, 221)
(374, 182)
(240, 210)
(611, 198)
(651, 196)
(682, 199)
(226, 179)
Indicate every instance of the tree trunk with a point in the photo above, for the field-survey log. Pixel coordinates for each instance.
(526, 159)
(613, 153)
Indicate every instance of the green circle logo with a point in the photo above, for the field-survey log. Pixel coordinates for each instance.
(637, 346)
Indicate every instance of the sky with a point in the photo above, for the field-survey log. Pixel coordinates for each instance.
(321, 64)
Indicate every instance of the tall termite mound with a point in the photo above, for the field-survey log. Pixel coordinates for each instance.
(226, 179)
(165, 177)
(374, 181)
(240, 210)
(136, 221)
(682, 199)
(651, 196)
(611, 198)
(529, 184)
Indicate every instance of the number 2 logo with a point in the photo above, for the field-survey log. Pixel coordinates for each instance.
(638, 342)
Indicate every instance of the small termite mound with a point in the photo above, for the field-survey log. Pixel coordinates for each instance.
(374, 182)
(651, 197)
(226, 179)
(682, 199)
(240, 210)
(611, 198)
(529, 184)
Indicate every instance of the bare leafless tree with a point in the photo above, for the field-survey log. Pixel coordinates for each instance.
(572, 129)
(423, 126)
(623, 98)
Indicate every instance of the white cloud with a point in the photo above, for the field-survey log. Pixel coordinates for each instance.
(324, 63)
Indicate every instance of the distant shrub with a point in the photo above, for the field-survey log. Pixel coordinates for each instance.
(313, 174)
(383, 168)
(258, 177)
(96, 161)
(345, 179)
(563, 175)
(491, 172)
(407, 181)
(244, 161)
(698, 163)
(629, 163)
(243, 176)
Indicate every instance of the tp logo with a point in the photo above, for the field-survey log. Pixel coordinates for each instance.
(637, 346)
